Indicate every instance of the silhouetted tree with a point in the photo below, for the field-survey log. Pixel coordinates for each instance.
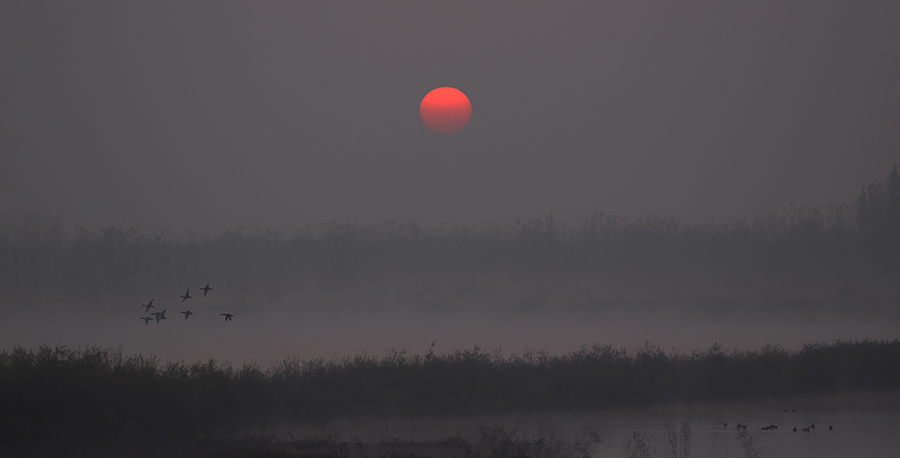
(893, 197)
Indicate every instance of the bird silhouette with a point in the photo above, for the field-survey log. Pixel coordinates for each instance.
(160, 315)
(187, 313)
(187, 295)
(227, 316)
(147, 306)
(146, 319)
(830, 428)
(206, 289)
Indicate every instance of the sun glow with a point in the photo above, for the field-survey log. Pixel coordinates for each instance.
(445, 110)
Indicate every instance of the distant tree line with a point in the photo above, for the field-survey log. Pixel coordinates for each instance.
(840, 254)
(878, 209)
(91, 397)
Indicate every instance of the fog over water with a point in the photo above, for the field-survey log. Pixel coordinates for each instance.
(279, 331)
(803, 276)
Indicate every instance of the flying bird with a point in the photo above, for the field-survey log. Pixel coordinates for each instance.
(187, 295)
(146, 319)
(227, 316)
(187, 313)
(147, 306)
(160, 315)
(206, 289)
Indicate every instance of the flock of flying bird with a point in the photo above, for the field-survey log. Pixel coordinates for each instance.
(159, 316)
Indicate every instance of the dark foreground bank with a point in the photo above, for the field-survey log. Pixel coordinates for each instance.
(67, 398)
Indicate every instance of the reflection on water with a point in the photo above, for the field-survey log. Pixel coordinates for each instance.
(863, 426)
(856, 433)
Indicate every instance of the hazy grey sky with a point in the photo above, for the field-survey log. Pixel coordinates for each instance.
(202, 114)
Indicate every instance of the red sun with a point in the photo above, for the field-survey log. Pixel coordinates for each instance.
(445, 110)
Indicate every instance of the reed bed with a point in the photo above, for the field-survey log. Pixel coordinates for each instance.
(92, 395)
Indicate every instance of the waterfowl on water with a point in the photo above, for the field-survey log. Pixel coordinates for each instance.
(147, 306)
(187, 313)
(206, 289)
(187, 295)
(227, 316)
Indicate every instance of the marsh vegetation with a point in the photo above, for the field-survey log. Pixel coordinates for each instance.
(91, 395)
